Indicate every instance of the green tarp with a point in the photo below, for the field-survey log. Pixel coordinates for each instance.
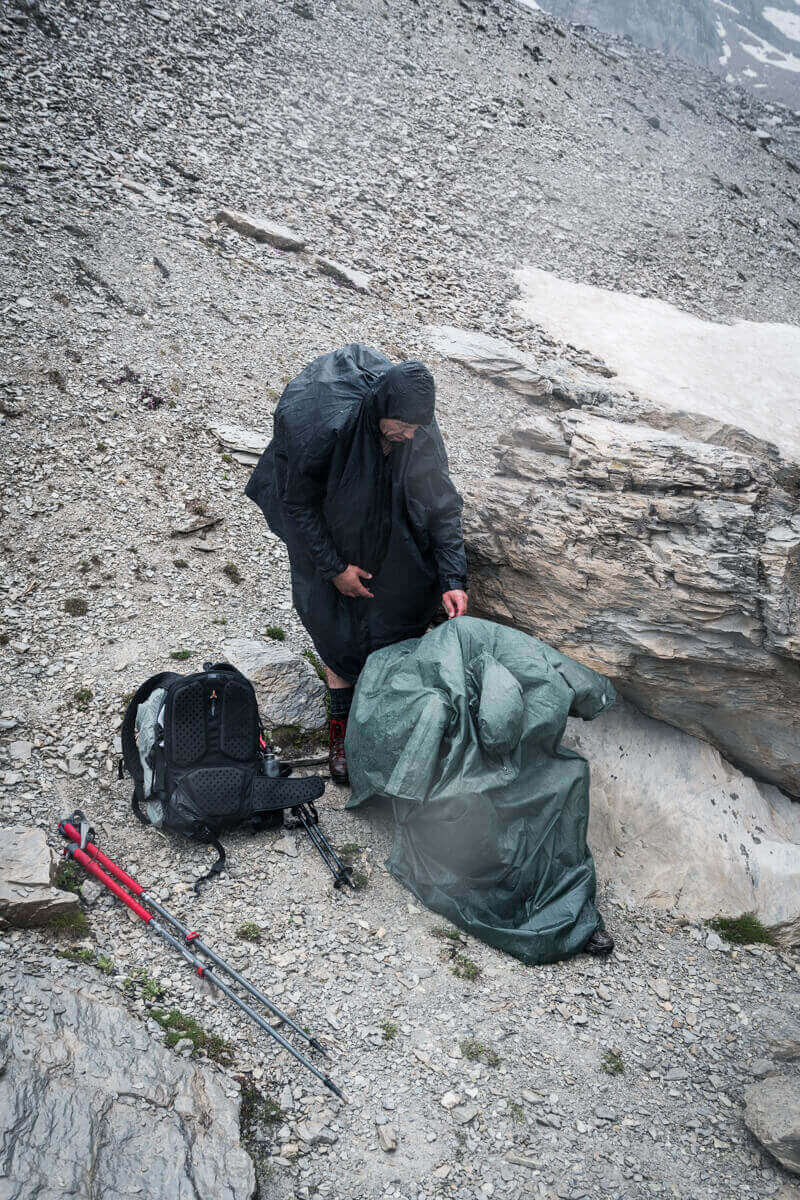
(461, 729)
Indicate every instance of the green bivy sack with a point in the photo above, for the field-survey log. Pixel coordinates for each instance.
(461, 729)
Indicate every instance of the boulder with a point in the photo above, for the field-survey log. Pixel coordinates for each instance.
(98, 1106)
(246, 445)
(27, 871)
(288, 688)
(672, 824)
(261, 230)
(660, 547)
(772, 1114)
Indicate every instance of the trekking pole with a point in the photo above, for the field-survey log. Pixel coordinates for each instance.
(310, 822)
(92, 867)
(69, 830)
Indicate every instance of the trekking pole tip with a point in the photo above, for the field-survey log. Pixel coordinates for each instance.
(330, 1084)
(316, 1045)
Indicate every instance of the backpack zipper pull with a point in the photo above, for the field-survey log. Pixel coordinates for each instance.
(213, 702)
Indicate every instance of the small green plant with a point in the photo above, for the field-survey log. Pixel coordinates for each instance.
(476, 1051)
(219, 620)
(148, 987)
(745, 930)
(83, 697)
(464, 968)
(446, 934)
(78, 954)
(181, 655)
(178, 1025)
(612, 1063)
(105, 964)
(233, 573)
(180, 562)
(76, 606)
(69, 924)
(256, 1109)
(316, 664)
(250, 932)
(516, 1110)
(389, 1030)
(276, 633)
(69, 876)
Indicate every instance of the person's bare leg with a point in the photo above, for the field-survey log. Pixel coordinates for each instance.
(340, 693)
(334, 680)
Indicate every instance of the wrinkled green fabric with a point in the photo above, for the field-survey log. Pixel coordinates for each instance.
(461, 729)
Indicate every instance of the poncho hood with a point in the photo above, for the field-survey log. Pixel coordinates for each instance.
(406, 392)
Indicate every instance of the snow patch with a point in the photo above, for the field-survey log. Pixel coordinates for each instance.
(788, 23)
(764, 52)
(746, 374)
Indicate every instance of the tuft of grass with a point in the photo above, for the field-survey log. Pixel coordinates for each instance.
(476, 1051)
(105, 964)
(233, 573)
(612, 1063)
(180, 562)
(178, 1025)
(82, 698)
(250, 932)
(745, 930)
(78, 954)
(275, 632)
(464, 968)
(516, 1110)
(389, 1030)
(460, 964)
(69, 876)
(316, 664)
(219, 620)
(446, 934)
(181, 655)
(256, 1109)
(69, 924)
(76, 606)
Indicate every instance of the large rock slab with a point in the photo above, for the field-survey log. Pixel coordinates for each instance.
(261, 230)
(98, 1107)
(675, 826)
(288, 688)
(27, 871)
(772, 1114)
(659, 547)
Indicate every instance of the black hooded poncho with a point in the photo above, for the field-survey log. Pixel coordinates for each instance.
(330, 493)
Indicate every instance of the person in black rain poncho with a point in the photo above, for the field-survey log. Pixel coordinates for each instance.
(355, 481)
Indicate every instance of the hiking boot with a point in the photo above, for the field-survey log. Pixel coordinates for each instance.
(336, 757)
(600, 944)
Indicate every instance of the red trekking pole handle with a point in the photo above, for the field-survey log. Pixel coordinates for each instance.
(68, 830)
(92, 868)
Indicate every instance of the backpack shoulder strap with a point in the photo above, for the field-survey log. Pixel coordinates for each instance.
(130, 754)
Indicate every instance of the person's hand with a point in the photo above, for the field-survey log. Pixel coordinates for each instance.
(349, 582)
(455, 603)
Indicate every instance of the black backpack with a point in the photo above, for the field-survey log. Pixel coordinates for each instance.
(195, 748)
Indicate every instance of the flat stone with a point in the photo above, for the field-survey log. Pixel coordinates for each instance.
(20, 751)
(463, 1114)
(261, 229)
(359, 281)
(661, 988)
(27, 868)
(387, 1138)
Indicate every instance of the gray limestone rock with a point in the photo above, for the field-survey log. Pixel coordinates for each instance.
(772, 1114)
(27, 870)
(97, 1105)
(288, 688)
(656, 546)
(357, 280)
(261, 230)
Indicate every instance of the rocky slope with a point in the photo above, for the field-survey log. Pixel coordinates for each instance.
(434, 149)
